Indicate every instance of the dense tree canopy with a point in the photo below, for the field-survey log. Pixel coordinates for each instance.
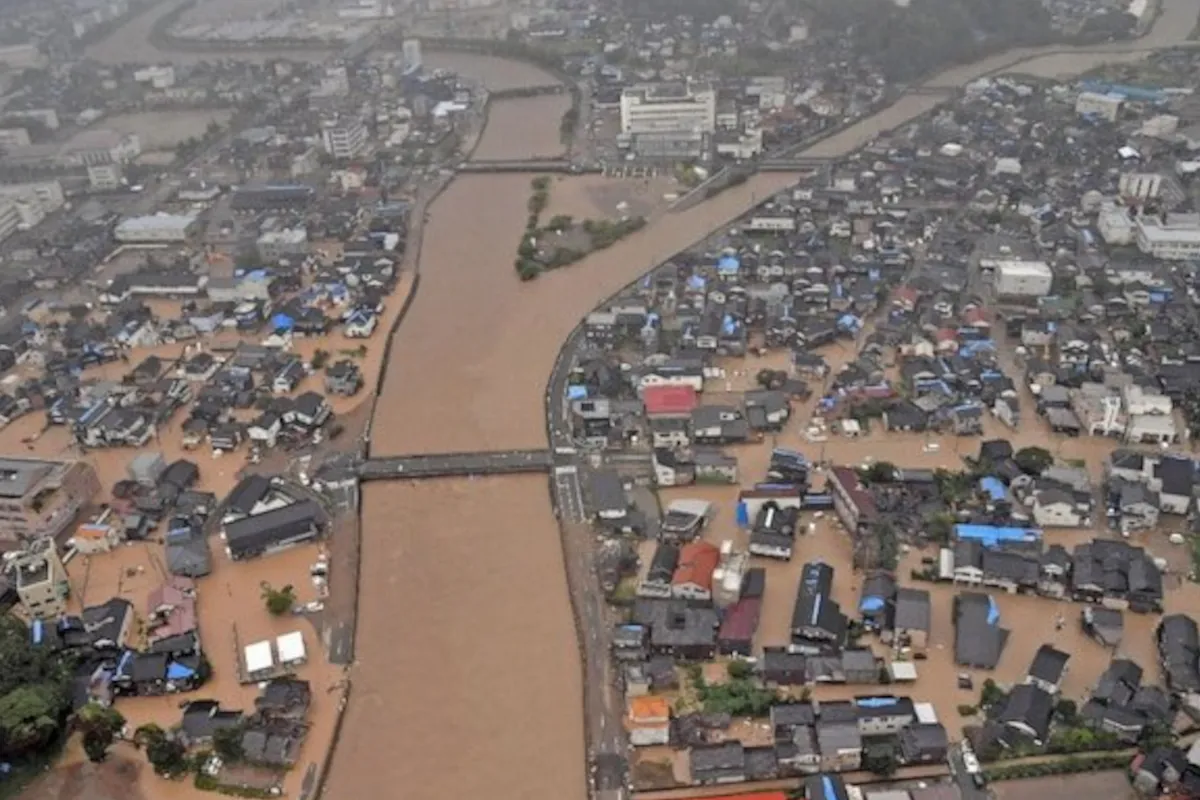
(34, 698)
(910, 42)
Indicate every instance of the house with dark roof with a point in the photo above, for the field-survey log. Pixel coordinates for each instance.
(1048, 668)
(818, 624)
(1028, 711)
(924, 743)
(910, 621)
(978, 637)
(273, 530)
(1174, 478)
(201, 721)
(718, 763)
(1179, 653)
(1107, 570)
(1122, 706)
(738, 626)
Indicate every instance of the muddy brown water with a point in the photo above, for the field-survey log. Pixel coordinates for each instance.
(467, 678)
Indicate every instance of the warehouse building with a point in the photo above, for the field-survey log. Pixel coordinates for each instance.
(157, 229)
(1015, 278)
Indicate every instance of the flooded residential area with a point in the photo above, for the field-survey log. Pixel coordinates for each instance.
(823, 427)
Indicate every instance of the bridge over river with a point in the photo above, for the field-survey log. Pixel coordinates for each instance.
(446, 465)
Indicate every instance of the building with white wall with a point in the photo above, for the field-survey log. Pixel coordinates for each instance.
(1173, 237)
(344, 138)
(668, 108)
(104, 177)
(411, 52)
(14, 137)
(1094, 104)
(20, 56)
(1140, 185)
(10, 219)
(156, 229)
(100, 146)
(47, 195)
(1016, 278)
(1116, 225)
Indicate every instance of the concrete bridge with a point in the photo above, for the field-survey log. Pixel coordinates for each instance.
(525, 166)
(447, 465)
(527, 91)
(792, 163)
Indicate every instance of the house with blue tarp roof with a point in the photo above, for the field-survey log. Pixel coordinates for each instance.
(994, 488)
(728, 265)
(993, 535)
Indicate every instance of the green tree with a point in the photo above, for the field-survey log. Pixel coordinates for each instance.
(99, 725)
(166, 755)
(739, 670)
(1066, 711)
(880, 472)
(939, 527)
(1033, 460)
(227, 743)
(30, 718)
(880, 760)
(990, 695)
(278, 601)
(560, 222)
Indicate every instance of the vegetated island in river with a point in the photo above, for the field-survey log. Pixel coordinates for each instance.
(562, 240)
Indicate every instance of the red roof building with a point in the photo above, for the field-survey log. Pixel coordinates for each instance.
(736, 635)
(669, 401)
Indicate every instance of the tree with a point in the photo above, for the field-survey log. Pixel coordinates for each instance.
(880, 472)
(990, 695)
(560, 222)
(939, 527)
(29, 718)
(166, 755)
(880, 760)
(100, 725)
(739, 670)
(1033, 460)
(278, 601)
(1067, 712)
(227, 743)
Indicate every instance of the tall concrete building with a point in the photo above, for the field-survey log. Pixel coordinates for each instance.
(40, 578)
(668, 120)
(42, 497)
(344, 138)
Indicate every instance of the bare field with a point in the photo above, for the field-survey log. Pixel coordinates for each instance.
(163, 130)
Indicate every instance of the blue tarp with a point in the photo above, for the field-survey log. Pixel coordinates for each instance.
(875, 702)
(282, 322)
(993, 617)
(577, 392)
(994, 488)
(870, 605)
(37, 631)
(831, 792)
(177, 671)
(728, 264)
(743, 515)
(991, 535)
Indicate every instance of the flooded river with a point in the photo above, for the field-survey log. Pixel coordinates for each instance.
(467, 676)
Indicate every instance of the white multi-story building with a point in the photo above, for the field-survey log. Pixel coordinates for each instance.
(101, 147)
(1016, 278)
(1105, 106)
(344, 138)
(1173, 237)
(20, 56)
(1140, 185)
(104, 177)
(47, 195)
(668, 108)
(1116, 225)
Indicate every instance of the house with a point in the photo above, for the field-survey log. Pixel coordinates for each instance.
(361, 323)
(771, 407)
(201, 721)
(694, 573)
(310, 410)
(883, 715)
(1122, 706)
(978, 638)
(672, 467)
(679, 629)
(1136, 505)
(783, 668)
(1175, 478)
(738, 626)
(1048, 668)
(719, 425)
(630, 643)
(1028, 711)
(1179, 653)
(657, 582)
(649, 721)
(713, 466)
(910, 621)
(265, 429)
(924, 743)
(1105, 625)
(669, 401)
(1055, 508)
(288, 376)
(343, 378)
(1111, 571)
(719, 763)
(108, 626)
(838, 738)
(607, 496)
(273, 530)
(818, 624)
